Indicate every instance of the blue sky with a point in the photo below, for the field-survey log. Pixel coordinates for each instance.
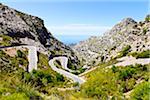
(74, 20)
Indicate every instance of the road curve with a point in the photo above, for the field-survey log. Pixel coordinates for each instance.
(64, 63)
(75, 78)
(129, 60)
(32, 55)
(124, 61)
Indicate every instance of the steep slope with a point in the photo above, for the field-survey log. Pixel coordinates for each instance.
(17, 83)
(30, 30)
(127, 33)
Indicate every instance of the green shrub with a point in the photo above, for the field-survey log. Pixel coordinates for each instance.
(147, 18)
(57, 64)
(6, 40)
(114, 69)
(39, 75)
(81, 70)
(42, 78)
(71, 66)
(2, 53)
(12, 87)
(59, 77)
(134, 54)
(145, 29)
(127, 73)
(11, 64)
(43, 62)
(27, 76)
(15, 96)
(101, 85)
(75, 84)
(144, 54)
(130, 84)
(20, 84)
(141, 92)
(124, 51)
(20, 54)
(28, 89)
(51, 77)
(115, 81)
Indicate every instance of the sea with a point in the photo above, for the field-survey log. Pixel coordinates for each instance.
(71, 39)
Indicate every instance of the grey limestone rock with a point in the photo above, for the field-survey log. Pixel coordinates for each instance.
(30, 30)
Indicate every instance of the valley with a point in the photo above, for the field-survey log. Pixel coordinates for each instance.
(34, 65)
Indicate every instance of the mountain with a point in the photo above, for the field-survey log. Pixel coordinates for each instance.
(26, 29)
(127, 33)
(121, 60)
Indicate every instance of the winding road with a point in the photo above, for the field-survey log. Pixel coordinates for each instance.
(32, 55)
(124, 61)
(32, 58)
(64, 62)
(129, 60)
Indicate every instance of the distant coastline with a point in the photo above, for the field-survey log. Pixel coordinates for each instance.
(71, 39)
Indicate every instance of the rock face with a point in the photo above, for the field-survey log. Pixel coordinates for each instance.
(127, 32)
(30, 30)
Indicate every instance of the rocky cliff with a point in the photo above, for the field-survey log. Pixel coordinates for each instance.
(106, 47)
(30, 30)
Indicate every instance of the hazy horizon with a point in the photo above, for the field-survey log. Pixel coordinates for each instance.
(74, 21)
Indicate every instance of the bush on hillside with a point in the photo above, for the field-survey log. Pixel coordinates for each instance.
(114, 69)
(102, 83)
(6, 40)
(145, 30)
(37, 77)
(127, 73)
(60, 78)
(144, 54)
(11, 64)
(71, 66)
(41, 78)
(147, 18)
(124, 51)
(141, 92)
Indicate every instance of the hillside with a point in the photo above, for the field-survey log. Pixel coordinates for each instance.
(126, 34)
(17, 83)
(26, 29)
(18, 31)
(36, 66)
